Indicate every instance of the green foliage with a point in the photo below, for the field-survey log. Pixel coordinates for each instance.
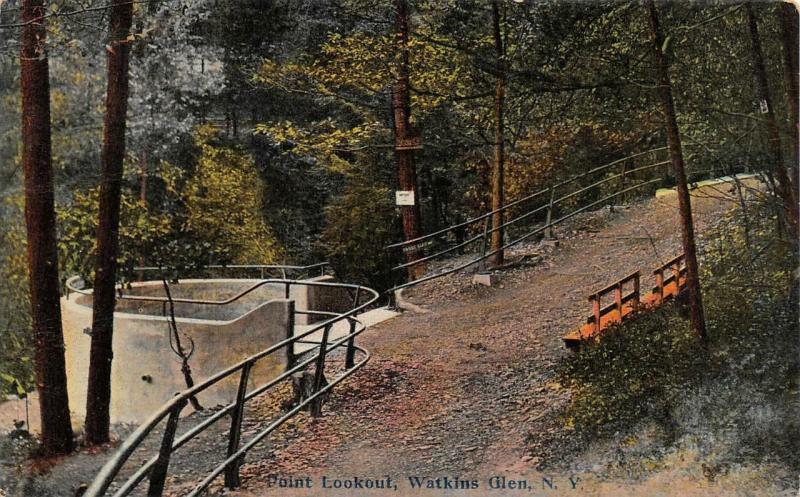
(739, 398)
(223, 203)
(16, 366)
(637, 370)
(140, 231)
(360, 223)
(212, 214)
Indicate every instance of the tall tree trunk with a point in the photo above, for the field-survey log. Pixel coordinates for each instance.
(40, 222)
(498, 164)
(784, 186)
(403, 131)
(676, 157)
(789, 32)
(99, 390)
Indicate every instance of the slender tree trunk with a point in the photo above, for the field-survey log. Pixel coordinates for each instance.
(676, 157)
(143, 177)
(403, 131)
(789, 33)
(784, 186)
(40, 221)
(498, 164)
(99, 390)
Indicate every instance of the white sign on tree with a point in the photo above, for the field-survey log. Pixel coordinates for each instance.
(404, 197)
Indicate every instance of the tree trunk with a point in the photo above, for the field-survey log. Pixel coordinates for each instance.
(404, 156)
(40, 222)
(99, 390)
(498, 164)
(676, 157)
(784, 187)
(789, 32)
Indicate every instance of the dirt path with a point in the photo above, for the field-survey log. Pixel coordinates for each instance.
(467, 390)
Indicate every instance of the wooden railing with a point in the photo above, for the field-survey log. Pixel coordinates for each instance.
(616, 311)
(670, 282)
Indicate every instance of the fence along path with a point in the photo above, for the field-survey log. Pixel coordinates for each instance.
(155, 469)
(625, 305)
(557, 203)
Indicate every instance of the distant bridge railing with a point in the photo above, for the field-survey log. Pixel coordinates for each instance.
(155, 469)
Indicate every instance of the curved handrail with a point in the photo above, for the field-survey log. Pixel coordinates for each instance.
(70, 282)
(170, 410)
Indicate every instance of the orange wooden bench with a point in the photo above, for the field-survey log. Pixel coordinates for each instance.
(624, 305)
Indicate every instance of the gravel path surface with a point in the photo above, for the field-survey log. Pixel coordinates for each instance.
(467, 389)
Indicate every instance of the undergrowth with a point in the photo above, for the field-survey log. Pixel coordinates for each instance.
(739, 400)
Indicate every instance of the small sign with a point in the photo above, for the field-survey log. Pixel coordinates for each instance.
(409, 143)
(404, 197)
(764, 107)
(417, 246)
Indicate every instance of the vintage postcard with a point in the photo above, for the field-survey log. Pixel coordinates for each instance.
(433, 248)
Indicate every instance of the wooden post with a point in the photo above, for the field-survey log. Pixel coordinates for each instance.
(636, 293)
(595, 301)
(618, 299)
(659, 285)
(676, 272)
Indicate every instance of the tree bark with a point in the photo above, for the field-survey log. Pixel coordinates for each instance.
(99, 389)
(784, 186)
(403, 130)
(789, 33)
(40, 222)
(679, 169)
(498, 164)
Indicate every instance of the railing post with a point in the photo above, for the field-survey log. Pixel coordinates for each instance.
(350, 357)
(158, 475)
(659, 285)
(290, 357)
(621, 199)
(595, 300)
(618, 299)
(636, 292)
(548, 234)
(319, 372)
(484, 243)
(234, 436)
(286, 292)
(349, 361)
(676, 271)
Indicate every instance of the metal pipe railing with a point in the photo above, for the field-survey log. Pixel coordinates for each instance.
(550, 206)
(71, 288)
(523, 199)
(521, 239)
(157, 467)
